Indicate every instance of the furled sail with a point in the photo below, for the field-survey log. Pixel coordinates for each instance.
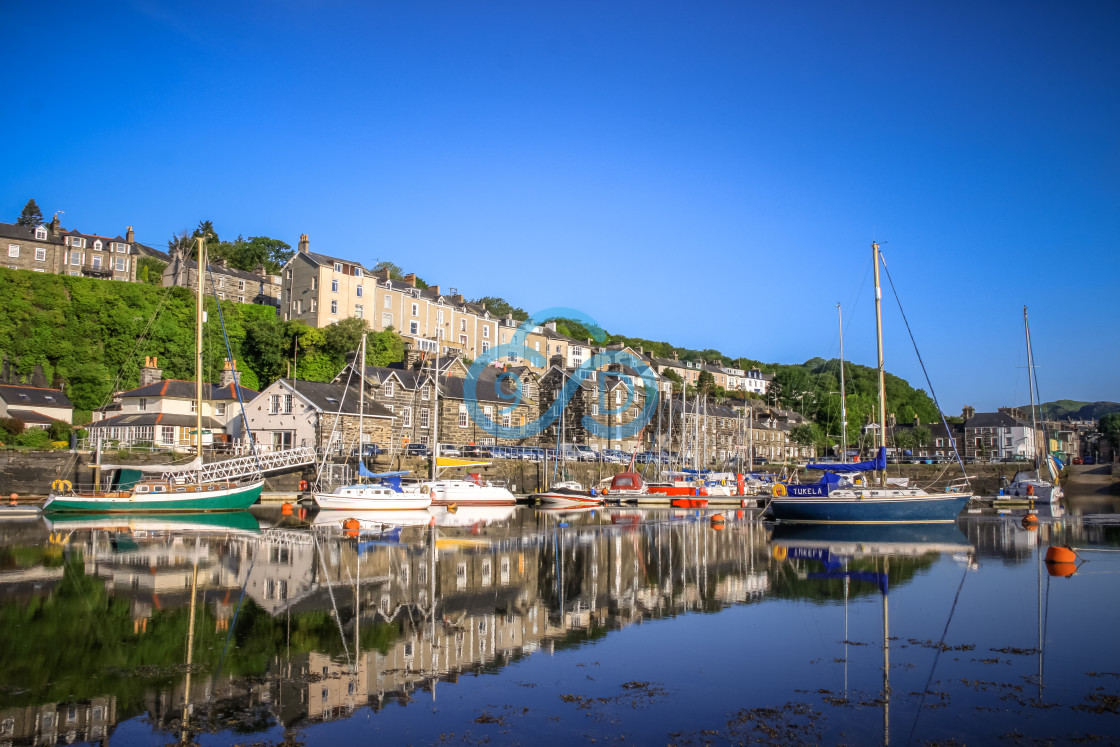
(877, 464)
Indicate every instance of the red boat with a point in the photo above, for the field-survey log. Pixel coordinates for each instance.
(689, 503)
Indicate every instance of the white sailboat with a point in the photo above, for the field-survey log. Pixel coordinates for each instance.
(1027, 483)
(363, 496)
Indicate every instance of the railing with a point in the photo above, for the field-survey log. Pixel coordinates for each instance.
(245, 466)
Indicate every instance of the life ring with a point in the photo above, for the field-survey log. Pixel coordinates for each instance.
(303, 485)
(780, 552)
(778, 491)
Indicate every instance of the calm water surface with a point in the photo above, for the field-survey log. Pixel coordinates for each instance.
(532, 627)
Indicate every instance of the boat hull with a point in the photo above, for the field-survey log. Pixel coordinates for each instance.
(865, 507)
(234, 498)
(566, 498)
(466, 493)
(379, 502)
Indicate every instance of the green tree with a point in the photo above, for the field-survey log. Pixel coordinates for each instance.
(31, 214)
(206, 231)
(922, 436)
(384, 347)
(498, 306)
(673, 376)
(395, 272)
(706, 382)
(150, 270)
(1109, 427)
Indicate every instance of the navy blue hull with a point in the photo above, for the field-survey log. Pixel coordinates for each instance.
(871, 510)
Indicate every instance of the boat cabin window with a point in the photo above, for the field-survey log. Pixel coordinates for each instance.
(623, 482)
(141, 488)
(159, 488)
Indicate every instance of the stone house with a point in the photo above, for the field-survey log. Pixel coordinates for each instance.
(291, 413)
(36, 407)
(228, 283)
(994, 436)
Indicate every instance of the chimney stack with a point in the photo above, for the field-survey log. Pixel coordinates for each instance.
(304, 243)
(150, 373)
(968, 412)
(229, 374)
(128, 235)
(550, 326)
(410, 279)
(435, 289)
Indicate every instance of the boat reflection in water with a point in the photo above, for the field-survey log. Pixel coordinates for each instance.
(302, 624)
(863, 554)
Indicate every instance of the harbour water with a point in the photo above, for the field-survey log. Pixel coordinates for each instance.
(524, 626)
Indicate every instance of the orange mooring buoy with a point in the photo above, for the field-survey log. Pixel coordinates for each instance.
(718, 518)
(14, 499)
(1060, 555)
(351, 525)
(286, 509)
(1030, 522)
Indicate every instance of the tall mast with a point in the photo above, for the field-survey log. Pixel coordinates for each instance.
(843, 399)
(1031, 386)
(879, 347)
(198, 346)
(435, 400)
(361, 417)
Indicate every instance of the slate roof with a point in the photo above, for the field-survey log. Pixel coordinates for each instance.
(327, 398)
(178, 389)
(25, 233)
(31, 396)
(152, 252)
(994, 420)
(191, 264)
(142, 419)
(31, 416)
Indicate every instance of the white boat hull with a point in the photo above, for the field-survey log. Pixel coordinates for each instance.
(362, 498)
(466, 492)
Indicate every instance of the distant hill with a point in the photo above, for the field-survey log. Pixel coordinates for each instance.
(1069, 409)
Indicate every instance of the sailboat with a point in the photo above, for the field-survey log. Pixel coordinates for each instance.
(1027, 483)
(176, 489)
(445, 491)
(565, 493)
(384, 494)
(840, 501)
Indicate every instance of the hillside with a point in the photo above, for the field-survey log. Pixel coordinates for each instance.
(89, 337)
(1069, 409)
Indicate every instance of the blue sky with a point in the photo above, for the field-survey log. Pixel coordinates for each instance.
(710, 174)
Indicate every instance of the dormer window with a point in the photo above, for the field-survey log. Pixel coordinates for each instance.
(77, 241)
(357, 272)
(338, 267)
(122, 248)
(41, 234)
(97, 245)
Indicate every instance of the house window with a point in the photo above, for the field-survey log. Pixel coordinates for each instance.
(338, 267)
(314, 282)
(240, 285)
(386, 319)
(505, 420)
(416, 309)
(425, 415)
(462, 416)
(299, 306)
(121, 264)
(425, 393)
(462, 325)
(414, 328)
(221, 282)
(388, 389)
(334, 286)
(334, 307)
(41, 233)
(167, 434)
(358, 291)
(288, 403)
(78, 242)
(13, 250)
(95, 261)
(40, 254)
(357, 272)
(488, 411)
(486, 332)
(485, 346)
(537, 346)
(194, 407)
(388, 302)
(463, 340)
(406, 417)
(122, 248)
(359, 311)
(220, 409)
(97, 245)
(275, 405)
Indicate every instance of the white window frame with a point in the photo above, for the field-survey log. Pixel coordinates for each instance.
(416, 309)
(358, 291)
(389, 389)
(40, 233)
(386, 319)
(463, 419)
(40, 254)
(13, 250)
(414, 328)
(122, 264)
(425, 418)
(334, 286)
(334, 307)
(338, 267)
(406, 417)
(359, 311)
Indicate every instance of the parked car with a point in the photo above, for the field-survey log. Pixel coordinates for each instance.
(614, 456)
(449, 450)
(474, 450)
(761, 460)
(417, 450)
(1077, 460)
(1090, 460)
(368, 450)
(586, 453)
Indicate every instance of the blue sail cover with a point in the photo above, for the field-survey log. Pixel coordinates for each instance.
(877, 464)
(362, 469)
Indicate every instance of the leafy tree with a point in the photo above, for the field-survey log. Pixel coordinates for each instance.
(673, 376)
(384, 347)
(1109, 427)
(395, 272)
(206, 231)
(150, 270)
(31, 214)
(922, 436)
(183, 242)
(498, 306)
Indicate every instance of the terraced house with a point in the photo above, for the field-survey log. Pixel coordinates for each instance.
(228, 283)
(53, 249)
(320, 289)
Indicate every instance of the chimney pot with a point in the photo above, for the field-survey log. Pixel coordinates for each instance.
(304, 243)
(410, 279)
